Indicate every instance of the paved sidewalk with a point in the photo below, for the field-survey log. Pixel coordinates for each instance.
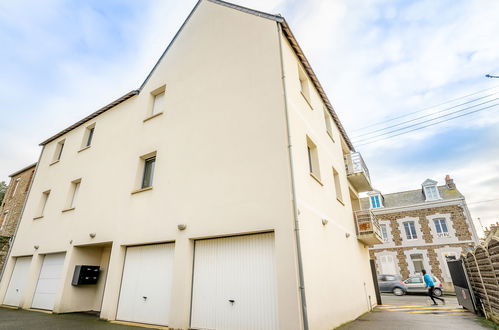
(416, 313)
(15, 319)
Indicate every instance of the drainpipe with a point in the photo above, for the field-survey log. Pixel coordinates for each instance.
(11, 240)
(293, 191)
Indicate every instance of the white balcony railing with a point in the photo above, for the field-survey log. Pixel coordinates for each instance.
(357, 171)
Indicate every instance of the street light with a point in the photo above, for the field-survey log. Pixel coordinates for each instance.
(490, 76)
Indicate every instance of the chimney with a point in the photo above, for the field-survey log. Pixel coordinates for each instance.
(449, 183)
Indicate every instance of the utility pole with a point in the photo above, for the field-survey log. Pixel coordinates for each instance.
(491, 76)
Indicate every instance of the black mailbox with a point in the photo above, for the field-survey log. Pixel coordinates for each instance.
(85, 275)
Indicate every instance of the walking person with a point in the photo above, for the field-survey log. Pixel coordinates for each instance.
(431, 286)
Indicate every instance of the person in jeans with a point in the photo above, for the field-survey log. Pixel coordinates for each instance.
(431, 286)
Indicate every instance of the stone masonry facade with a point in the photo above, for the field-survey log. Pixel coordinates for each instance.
(11, 208)
(458, 221)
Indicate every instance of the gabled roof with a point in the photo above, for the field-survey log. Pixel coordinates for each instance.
(24, 169)
(288, 34)
(429, 182)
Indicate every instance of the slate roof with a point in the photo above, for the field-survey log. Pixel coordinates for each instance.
(411, 197)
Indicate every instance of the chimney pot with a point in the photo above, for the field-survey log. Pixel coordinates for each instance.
(449, 183)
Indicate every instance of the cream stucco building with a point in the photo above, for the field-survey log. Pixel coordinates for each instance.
(215, 196)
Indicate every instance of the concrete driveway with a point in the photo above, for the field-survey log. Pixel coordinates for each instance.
(416, 313)
(14, 319)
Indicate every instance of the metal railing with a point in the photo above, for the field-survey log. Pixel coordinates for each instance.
(366, 223)
(355, 164)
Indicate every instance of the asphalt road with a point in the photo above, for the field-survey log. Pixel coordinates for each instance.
(415, 312)
(16, 319)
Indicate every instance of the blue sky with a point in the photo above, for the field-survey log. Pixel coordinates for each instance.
(377, 60)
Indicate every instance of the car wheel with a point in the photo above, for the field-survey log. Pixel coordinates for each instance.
(437, 292)
(398, 291)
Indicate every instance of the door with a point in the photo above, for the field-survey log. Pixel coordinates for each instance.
(49, 281)
(17, 282)
(146, 284)
(234, 283)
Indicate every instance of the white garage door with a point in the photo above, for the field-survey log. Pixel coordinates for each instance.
(49, 281)
(17, 281)
(146, 285)
(234, 285)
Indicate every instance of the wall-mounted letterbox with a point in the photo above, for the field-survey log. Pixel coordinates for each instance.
(85, 275)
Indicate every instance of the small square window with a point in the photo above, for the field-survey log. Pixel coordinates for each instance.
(147, 177)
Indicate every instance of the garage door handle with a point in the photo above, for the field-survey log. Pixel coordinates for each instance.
(231, 301)
(144, 297)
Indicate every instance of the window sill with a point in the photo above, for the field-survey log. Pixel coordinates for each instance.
(54, 162)
(153, 116)
(341, 202)
(141, 190)
(84, 148)
(316, 178)
(307, 100)
(67, 210)
(38, 217)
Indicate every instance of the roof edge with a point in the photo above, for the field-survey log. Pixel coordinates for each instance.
(91, 116)
(22, 170)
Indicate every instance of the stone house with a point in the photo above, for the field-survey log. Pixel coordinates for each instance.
(215, 196)
(421, 229)
(11, 208)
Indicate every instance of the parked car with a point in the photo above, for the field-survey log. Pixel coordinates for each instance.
(392, 283)
(416, 284)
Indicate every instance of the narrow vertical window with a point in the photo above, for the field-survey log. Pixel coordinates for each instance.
(75, 188)
(148, 175)
(313, 160)
(43, 203)
(329, 125)
(337, 185)
(58, 150)
(375, 202)
(90, 135)
(304, 84)
(384, 233)
(441, 227)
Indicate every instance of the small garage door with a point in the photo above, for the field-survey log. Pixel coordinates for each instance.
(234, 285)
(49, 281)
(146, 285)
(17, 282)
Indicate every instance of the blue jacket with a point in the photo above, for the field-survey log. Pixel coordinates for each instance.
(428, 280)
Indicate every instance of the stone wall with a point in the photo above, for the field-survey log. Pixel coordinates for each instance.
(11, 208)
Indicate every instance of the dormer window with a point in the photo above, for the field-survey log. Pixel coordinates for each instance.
(375, 199)
(430, 190)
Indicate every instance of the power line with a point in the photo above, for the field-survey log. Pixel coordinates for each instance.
(432, 124)
(425, 121)
(430, 114)
(424, 109)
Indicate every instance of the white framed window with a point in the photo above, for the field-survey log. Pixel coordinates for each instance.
(5, 220)
(410, 230)
(384, 232)
(42, 204)
(337, 185)
(75, 188)
(430, 190)
(148, 175)
(16, 185)
(441, 227)
(417, 261)
(375, 201)
(88, 136)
